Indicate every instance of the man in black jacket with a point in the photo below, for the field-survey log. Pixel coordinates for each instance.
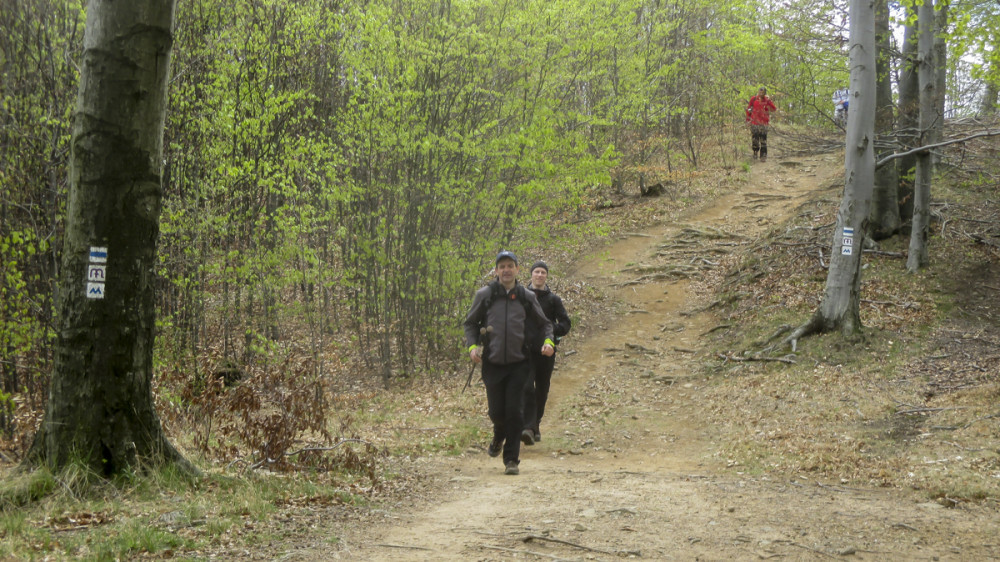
(536, 392)
(502, 312)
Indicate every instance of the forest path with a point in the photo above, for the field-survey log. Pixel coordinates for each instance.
(627, 465)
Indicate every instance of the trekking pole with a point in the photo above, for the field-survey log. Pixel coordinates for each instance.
(482, 336)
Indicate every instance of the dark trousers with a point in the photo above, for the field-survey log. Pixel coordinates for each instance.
(505, 400)
(536, 392)
(758, 140)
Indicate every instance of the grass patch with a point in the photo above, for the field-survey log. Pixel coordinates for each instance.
(161, 514)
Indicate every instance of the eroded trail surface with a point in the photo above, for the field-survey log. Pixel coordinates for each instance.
(627, 467)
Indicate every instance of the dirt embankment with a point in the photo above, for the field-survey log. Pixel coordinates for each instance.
(628, 466)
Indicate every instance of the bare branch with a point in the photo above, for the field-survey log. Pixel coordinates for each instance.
(921, 149)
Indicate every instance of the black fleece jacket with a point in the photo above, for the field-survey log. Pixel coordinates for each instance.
(554, 310)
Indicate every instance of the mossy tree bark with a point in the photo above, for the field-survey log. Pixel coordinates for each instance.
(100, 407)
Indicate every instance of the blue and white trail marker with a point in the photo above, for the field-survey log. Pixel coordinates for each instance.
(98, 254)
(97, 273)
(847, 241)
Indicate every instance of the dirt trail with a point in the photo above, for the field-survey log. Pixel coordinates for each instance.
(627, 467)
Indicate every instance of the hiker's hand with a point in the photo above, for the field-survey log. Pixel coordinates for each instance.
(548, 350)
(474, 355)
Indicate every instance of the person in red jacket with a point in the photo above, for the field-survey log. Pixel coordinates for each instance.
(759, 118)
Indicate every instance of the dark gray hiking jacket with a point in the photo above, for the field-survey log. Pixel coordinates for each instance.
(509, 314)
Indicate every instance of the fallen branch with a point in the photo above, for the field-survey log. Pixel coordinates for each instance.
(530, 538)
(784, 359)
(926, 410)
(812, 549)
(637, 347)
(719, 327)
(902, 304)
(884, 253)
(406, 546)
(989, 417)
(262, 462)
(516, 551)
(339, 443)
(783, 329)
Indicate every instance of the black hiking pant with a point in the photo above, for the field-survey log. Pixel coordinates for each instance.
(505, 402)
(536, 392)
(758, 140)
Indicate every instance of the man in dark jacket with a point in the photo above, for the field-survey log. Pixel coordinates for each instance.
(505, 309)
(536, 392)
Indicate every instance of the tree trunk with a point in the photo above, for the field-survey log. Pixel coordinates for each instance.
(841, 300)
(885, 201)
(100, 409)
(988, 105)
(909, 122)
(940, 48)
(917, 257)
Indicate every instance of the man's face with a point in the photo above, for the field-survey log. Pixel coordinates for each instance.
(506, 270)
(761, 92)
(538, 277)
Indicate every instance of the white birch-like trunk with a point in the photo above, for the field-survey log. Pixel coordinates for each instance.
(840, 306)
(841, 298)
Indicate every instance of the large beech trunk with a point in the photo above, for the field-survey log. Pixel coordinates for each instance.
(100, 409)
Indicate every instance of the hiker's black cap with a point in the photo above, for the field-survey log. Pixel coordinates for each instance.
(538, 264)
(505, 254)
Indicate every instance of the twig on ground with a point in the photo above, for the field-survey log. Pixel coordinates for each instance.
(338, 444)
(263, 462)
(977, 420)
(530, 538)
(902, 304)
(716, 328)
(731, 357)
(404, 546)
(885, 253)
(812, 549)
(970, 449)
(637, 347)
(516, 551)
(782, 330)
(926, 410)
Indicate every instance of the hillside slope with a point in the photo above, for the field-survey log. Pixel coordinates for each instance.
(631, 463)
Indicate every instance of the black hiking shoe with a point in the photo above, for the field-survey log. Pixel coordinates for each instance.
(511, 469)
(495, 447)
(538, 437)
(528, 437)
